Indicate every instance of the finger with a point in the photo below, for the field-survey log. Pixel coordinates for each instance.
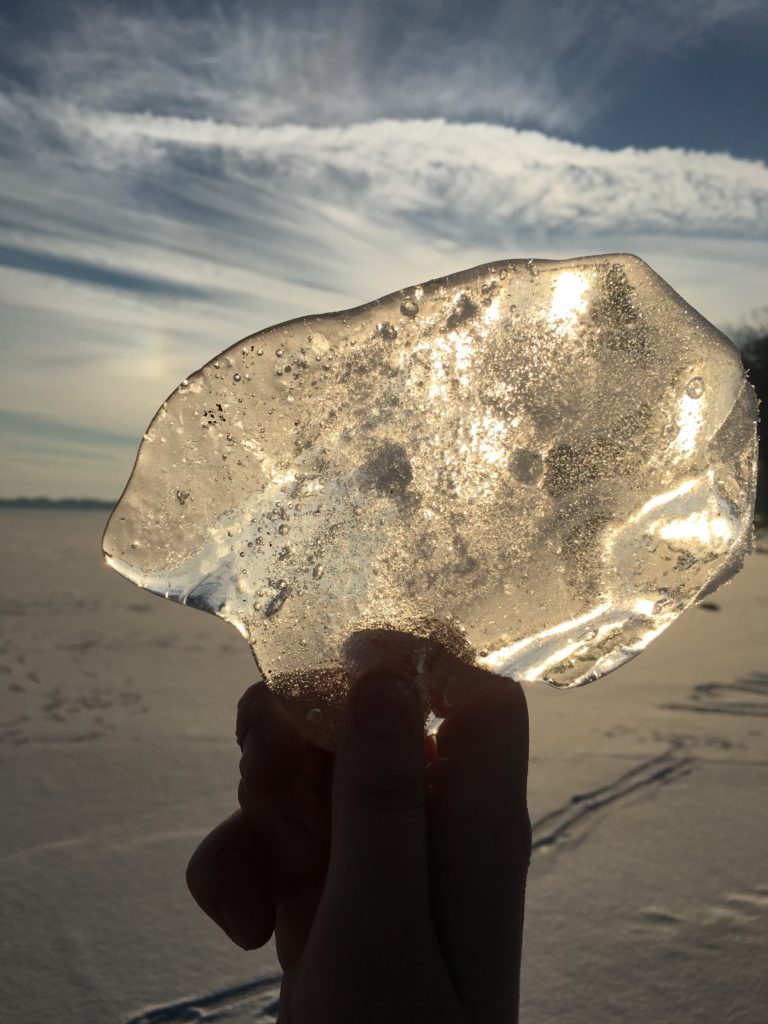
(378, 861)
(435, 651)
(295, 917)
(483, 749)
(294, 823)
(284, 789)
(480, 845)
(228, 877)
(273, 749)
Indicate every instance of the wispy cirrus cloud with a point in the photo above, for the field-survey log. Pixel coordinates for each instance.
(554, 66)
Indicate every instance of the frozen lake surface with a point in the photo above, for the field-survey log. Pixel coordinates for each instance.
(648, 894)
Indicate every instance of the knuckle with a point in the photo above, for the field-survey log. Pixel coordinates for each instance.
(244, 797)
(247, 710)
(245, 765)
(254, 767)
(202, 872)
(193, 875)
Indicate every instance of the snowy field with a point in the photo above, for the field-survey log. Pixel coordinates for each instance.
(648, 895)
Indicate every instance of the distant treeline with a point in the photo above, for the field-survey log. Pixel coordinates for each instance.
(78, 503)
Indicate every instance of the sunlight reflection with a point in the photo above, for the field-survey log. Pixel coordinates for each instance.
(498, 658)
(698, 527)
(492, 313)
(568, 301)
(488, 435)
(690, 418)
(660, 500)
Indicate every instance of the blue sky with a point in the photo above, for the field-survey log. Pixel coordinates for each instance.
(175, 176)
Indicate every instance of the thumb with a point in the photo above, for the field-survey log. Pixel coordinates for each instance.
(480, 840)
(377, 871)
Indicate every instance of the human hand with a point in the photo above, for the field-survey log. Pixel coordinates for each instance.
(392, 875)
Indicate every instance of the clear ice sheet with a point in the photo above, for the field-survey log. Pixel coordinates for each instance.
(534, 465)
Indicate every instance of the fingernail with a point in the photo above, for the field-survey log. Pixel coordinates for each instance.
(386, 706)
(236, 921)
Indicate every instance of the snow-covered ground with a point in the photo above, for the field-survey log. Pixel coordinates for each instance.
(648, 896)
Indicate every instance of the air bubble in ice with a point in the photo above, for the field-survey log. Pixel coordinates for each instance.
(278, 599)
(546, 489)
(386, 330)
(695, 388)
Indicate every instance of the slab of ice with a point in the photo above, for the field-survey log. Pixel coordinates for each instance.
(535, 465)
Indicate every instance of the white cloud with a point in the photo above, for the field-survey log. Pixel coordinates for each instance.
(477, 178)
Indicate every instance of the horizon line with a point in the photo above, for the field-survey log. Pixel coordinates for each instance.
(43, 502)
